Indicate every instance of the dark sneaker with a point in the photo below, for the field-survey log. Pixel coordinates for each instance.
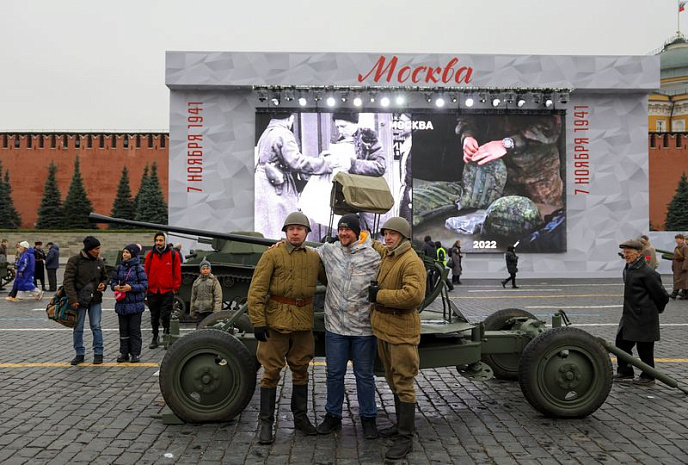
(98, 359)
(621, 377)
(329, 424)
(135, 358)
(369, 428)
(77, 360)
(123, 358)
(640, 381)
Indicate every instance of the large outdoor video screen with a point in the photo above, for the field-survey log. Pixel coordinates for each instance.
(433, 164)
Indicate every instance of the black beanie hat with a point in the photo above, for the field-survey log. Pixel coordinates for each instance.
(133, 249)
(350, 221)
(90, 243)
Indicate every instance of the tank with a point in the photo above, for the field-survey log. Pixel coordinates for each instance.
(233, 258)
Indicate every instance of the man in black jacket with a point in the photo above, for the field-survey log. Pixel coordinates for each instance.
(84, 283)
(644, 299)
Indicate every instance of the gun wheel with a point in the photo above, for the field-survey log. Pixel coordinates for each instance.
(207, 376)
(565, 373)
(504, 366)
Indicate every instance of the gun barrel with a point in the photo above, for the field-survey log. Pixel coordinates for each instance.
(98, 218)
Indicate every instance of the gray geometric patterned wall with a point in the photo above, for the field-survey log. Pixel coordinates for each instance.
(614, 88)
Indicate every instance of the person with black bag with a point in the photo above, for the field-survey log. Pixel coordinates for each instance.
(84, 282)
(511, 266)
(129, 281)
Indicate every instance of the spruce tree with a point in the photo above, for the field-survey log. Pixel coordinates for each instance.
(151, 205)
(9, 216)
(677, 213)
(50, 214)
(77, 205)
(142, 188)
(123, 206)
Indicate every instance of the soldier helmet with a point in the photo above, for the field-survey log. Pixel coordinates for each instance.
(296, 218)
(398, 224)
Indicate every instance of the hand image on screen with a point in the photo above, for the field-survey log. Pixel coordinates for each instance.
(470, 148)
(489, 151)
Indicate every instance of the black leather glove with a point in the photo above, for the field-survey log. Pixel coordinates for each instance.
(372, 291)
(261, 333)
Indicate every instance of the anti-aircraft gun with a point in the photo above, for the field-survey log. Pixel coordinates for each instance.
(564, 372)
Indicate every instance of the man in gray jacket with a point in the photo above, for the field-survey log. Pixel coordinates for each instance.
(350, 264)
(52, 263)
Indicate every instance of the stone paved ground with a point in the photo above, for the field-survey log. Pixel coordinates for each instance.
(53, 413)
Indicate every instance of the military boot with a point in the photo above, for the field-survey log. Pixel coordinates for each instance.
(394, 429)
(403, 444)
(267, 415)
(674, 294)
(299, 407)
(154, 342)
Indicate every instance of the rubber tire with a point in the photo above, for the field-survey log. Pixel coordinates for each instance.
(541, 363)
(233, 384)
(504, 366)
(242, 324)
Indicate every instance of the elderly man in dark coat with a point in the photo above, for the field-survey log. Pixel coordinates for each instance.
(644, 299)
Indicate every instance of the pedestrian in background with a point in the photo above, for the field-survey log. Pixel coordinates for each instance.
(23, 284)
(206, 294)
(456, 257)
(52, 263)
(679, 266)
(511, 266)
(164, 271)
(644, 299)
(3, 257)
(39, 272)
(429, 248)
(84, 282)
(130, 279)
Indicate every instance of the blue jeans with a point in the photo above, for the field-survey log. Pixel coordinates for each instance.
(94, 314)
(363, 350)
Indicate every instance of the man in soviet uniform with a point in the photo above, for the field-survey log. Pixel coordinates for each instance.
(280, 305)
(400, 289)
(679, 266)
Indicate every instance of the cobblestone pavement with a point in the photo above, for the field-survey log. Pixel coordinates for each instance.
(54, 413)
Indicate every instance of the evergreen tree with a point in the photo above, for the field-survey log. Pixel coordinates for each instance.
(9, 216)
(151, 205)
(123, 206)
(677, 213)
(77, 205)
(50, 214)
(142, 188)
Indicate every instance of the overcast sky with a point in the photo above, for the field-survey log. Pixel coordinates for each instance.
(100, 66)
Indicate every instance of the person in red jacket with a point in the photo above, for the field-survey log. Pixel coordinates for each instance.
(164, 271)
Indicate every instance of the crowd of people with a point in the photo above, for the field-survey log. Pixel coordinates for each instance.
(374, 289)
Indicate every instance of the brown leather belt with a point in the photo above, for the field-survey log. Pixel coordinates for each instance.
(288, 301)
(393, 311)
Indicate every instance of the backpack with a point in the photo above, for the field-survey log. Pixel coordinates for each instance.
(59, 310)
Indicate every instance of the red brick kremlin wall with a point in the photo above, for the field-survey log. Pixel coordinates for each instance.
(668, 160)
(102, 157)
